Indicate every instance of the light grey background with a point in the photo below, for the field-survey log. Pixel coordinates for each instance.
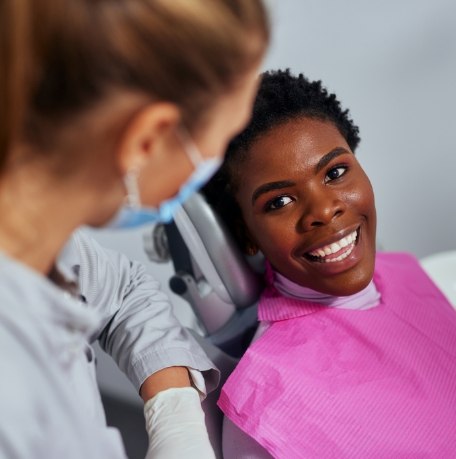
(393, 63)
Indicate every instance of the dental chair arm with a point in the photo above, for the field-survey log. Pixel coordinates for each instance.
(175, 426)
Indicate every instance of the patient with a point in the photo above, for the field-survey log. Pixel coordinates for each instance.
(356, 353)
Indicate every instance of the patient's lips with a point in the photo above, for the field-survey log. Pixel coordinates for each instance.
(336, 251)
(338, 254)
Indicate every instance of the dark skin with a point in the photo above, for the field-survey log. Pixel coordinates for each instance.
(300, 190)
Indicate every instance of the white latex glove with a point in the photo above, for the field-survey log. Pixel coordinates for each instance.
(175, 425)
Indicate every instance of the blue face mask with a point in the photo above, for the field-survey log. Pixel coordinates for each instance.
(133, 214)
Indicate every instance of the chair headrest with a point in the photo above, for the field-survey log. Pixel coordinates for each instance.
(216, 253)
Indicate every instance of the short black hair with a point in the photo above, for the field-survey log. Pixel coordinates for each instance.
(281, 97)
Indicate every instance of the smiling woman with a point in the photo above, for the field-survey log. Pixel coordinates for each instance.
(308, 196)
(357, 349)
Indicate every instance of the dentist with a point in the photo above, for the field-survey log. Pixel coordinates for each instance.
(112, 112)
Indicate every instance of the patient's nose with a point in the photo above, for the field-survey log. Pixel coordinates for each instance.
(320, 209)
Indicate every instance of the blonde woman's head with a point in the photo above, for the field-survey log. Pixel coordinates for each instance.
(65, 62)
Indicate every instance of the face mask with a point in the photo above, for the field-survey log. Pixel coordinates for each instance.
(133, 214)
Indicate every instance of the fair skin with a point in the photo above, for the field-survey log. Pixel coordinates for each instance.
(41, 206)
(300, 190)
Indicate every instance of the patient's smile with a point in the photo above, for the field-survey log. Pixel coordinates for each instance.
(336, 251)
(309, 206)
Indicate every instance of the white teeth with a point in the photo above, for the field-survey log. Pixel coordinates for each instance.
(341, 257)
(344, 242)
(335, 247)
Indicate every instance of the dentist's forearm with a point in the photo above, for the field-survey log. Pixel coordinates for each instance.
(172, 377)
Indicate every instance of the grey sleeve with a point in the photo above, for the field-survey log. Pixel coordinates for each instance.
(139, 329)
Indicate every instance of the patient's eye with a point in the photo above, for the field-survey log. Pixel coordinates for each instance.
(278, 203)
(335, 173)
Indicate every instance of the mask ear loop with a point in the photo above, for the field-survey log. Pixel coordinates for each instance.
(131, 185)
(192, 152)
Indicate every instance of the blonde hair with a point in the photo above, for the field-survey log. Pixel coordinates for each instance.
(61, 58)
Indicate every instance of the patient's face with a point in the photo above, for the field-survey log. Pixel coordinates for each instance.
(309, 206)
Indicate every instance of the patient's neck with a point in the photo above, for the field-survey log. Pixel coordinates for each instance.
(367, 298)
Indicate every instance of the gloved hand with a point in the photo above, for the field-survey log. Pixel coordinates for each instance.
(175, 425)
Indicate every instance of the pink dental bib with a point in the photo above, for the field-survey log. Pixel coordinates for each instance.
(326, 382)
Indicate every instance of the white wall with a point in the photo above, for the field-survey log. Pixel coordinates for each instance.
(393, 63)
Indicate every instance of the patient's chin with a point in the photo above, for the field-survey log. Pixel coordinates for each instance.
(351, 284)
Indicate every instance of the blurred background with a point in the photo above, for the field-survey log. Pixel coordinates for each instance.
(393, 64)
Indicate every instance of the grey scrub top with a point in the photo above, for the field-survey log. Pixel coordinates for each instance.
(50, 406)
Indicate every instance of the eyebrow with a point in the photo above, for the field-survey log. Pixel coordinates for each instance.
(326, 159)
(270, 187)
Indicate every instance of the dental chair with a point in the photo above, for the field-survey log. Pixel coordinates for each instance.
(441, 268)
(221, 284)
